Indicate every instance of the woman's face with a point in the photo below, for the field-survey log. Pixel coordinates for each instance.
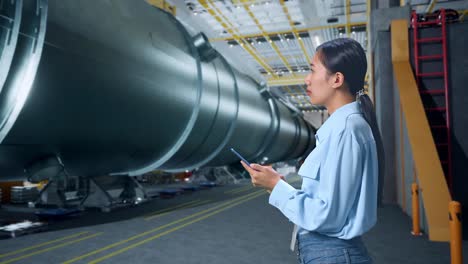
(318, 81)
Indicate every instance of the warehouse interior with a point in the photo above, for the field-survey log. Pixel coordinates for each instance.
(117, 120)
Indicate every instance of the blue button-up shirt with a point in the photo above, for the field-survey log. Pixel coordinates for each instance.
(338, 197)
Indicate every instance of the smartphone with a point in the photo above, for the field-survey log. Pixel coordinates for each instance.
(240, 156)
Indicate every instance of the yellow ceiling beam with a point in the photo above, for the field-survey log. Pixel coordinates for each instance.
(296, 34)
(431, 6)
(304, 99)
(348, 17)
(370, 74)
(287, 80)
(289, 91)
(289, 31)
(296, 100)
(164, 5)
(229, 28)
(265, 35)
(463, 14)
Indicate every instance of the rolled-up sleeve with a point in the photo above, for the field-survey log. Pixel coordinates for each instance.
(340, 178)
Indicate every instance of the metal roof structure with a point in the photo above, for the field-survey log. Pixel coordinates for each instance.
(277, 39)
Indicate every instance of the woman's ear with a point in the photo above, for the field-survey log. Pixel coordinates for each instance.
(337, 80)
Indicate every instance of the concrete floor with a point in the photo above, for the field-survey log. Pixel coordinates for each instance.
(226, 224)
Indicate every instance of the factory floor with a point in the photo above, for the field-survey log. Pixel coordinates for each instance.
(223, 224)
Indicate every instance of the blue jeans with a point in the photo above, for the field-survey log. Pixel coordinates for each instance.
(314, 248)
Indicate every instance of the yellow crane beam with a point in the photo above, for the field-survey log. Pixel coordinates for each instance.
(229, 28)
(370, 66)
(265, 35)
(297, 99)
(463, 14)
(295, 32)
(431, 6)
(348, 16)
(287, 80)
(164, 5)
(302, 30)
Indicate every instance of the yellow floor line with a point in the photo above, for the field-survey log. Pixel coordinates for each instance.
(49, 249)
(172, 230)
(239, 191)
(42, 244)
(170, 208)
(183, 207)
(240, 188)
(156, 229)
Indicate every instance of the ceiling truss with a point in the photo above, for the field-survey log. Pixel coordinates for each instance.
(280, 37)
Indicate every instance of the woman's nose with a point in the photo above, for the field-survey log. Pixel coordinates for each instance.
(307, 79)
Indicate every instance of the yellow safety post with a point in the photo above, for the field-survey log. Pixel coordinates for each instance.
(455, 232)
(415, 193)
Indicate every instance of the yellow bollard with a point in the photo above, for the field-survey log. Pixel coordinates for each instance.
(455, 232)
(415, 199)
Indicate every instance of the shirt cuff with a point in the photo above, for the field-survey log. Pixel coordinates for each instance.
(281, 193)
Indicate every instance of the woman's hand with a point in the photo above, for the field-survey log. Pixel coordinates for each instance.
(263, 176)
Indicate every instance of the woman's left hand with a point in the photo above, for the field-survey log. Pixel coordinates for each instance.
(263, 176)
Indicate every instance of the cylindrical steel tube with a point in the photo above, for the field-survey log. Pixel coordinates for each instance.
(132, 91)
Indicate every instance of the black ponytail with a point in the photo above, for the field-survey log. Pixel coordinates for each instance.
(347, 56)
(367, 109)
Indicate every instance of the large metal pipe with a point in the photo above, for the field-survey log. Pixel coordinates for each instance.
(122, 88)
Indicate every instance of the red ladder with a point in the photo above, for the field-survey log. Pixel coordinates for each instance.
(442, 144)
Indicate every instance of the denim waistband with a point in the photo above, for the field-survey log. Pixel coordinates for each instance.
(320, 240)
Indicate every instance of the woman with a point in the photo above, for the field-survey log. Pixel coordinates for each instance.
(338, 199)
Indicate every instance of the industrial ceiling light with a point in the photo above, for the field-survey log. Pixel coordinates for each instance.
(317, 40)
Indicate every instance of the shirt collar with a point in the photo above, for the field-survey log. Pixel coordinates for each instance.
(337, 120)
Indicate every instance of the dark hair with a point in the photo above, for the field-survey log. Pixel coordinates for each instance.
(347, 56)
